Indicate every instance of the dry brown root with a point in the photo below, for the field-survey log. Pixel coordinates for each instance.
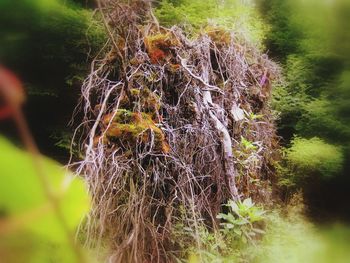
(172, 129)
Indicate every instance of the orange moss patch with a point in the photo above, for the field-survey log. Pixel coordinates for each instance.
(159, 47)
(99, 139)
(121, 43)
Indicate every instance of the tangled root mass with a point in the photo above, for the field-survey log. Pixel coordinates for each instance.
(172, 128)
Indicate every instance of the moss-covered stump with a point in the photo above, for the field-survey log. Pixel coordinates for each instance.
(210, 94)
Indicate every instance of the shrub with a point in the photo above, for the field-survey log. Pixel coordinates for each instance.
(307, 157)
(290, 96)
(320, 118)
(240, 222)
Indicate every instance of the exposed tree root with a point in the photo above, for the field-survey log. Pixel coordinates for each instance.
(172, 129)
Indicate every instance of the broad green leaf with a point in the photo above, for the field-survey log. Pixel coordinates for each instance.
(27, 217)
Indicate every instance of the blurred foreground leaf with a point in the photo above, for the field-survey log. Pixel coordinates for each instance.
(29, 228)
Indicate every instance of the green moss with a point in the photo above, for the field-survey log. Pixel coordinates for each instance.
(130, 128)
(143, 98)
(123, 116)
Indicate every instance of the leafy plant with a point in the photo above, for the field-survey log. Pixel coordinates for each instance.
(253, 116)
(247, 145)
(240, 227)
(240, 222)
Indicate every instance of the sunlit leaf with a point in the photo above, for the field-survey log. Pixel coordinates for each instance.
(27, 216)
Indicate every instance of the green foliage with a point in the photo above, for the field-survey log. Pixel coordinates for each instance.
(308, 37)
(47, 36)
(310, 101)
(291, 239)
(290, 96)
(308, 157)
(341, 95)
(320, 118)
(253, 116)
(324, 26)
(30, 231)
(48, 43)
(283, 36)
(240, 228)
(247, 145)
(306, 78)
(305, 36)
(288, 238)
(240, 16)
(238, 225)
